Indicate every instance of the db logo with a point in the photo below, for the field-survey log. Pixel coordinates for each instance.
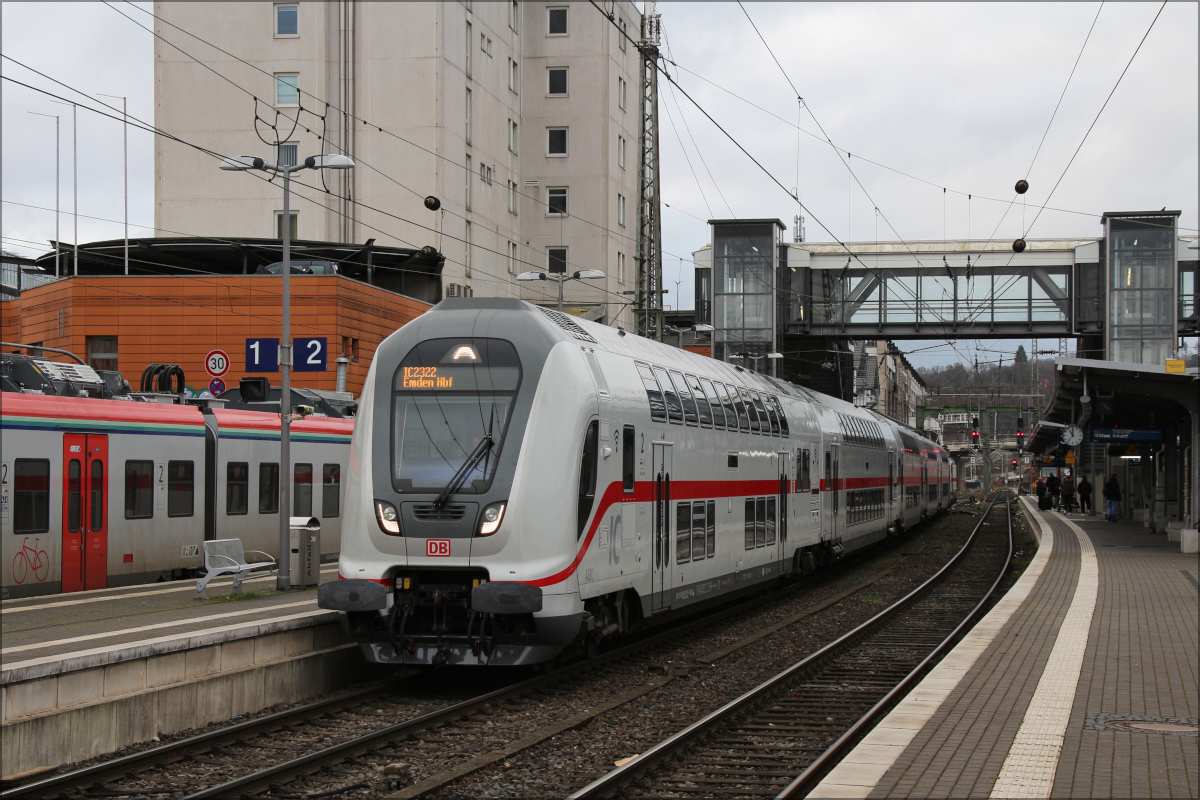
(437, 547)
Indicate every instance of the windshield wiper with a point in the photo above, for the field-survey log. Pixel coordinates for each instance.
(481, 450)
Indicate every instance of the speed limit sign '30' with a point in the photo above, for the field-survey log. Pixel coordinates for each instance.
(217, 363)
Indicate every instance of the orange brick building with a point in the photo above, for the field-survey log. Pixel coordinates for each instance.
(126, 322)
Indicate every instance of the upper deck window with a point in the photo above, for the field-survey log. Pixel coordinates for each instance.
(674, 406)
(449, 395)
(658, 409)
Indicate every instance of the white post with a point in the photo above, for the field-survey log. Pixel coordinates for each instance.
(284, 581)
(75, 177)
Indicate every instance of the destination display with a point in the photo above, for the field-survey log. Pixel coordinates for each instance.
(459, 365)
(1126, 435)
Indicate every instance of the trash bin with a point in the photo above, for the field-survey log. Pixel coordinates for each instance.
(305, 555)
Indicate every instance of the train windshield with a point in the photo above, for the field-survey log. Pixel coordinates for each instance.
(448, 396)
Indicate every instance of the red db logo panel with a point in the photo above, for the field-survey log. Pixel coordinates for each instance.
(437, 547)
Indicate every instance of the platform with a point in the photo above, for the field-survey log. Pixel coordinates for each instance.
(1080, 682)
(87, 673)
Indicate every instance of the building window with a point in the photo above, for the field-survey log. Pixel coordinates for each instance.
(467, 128)
(624, 35)
(485, 44)
(556, 259)
(514, 15)
(513, 75)
(556, 202)
(467, 60)
(181, 488)
(621, 93)
(139, 489)
(556, 141)
(279, 225)
(31, 495)
(102, 352)
(286, 154)
(287, 88)
(556, 80)
(287, 19)
(512, 197)
(557, 21)
(621, 152)
(512, 136)
(621, 209)
(467, 249)
(512, 258)
(467, 196)
(620, 267)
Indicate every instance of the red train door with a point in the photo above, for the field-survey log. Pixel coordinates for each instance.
(85, 512)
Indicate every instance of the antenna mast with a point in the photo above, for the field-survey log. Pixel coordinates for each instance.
(648, 304)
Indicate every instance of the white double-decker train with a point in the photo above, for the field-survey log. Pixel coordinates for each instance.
(521, 482)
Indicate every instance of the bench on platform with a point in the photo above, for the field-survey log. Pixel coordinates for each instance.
(226, 557)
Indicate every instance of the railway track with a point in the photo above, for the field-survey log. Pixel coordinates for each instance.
(779, 738)
(330, 732)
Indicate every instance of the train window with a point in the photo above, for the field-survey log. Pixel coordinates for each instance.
(237, 488)
(268, 488)
(803, 470)
(710, 527)
(828, 471)
(891, 482)
(698, 530)
(766, 410)
(302, 490)
(703, 409)
(685, 396)
(760, 522)
(181, 488)
(751, 414)
(674, 407)
(96, 495)
(628, 459)
(587, 473)
(683, 532)
(714, 400)
(331, 490)
(731, 460)
(139, 489)
(749, 523)
(74, 495)
(31, 496)
(783, 423)
(658, 410)
(728, 400)
(770, 520)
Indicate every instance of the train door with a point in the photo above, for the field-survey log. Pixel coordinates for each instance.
(785, 488)
(663, 530)
(831, 490)
(891, 496)
(924, 484)
(85, 512)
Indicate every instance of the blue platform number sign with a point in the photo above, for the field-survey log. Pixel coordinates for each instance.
(262, 355)
(310, 354)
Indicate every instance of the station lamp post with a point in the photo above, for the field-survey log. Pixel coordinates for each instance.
(697, 328)
(241, 164)
(756, 359)
(560, 278)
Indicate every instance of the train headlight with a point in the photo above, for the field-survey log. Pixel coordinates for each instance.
(388, 517)
(489, 520)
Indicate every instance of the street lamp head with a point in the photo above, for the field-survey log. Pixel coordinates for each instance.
(774, 355)
(242, 163)
(532, 276)
(329, 161)
(588, 273)
(703, 328)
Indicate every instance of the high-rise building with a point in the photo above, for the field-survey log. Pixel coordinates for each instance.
(522, 118)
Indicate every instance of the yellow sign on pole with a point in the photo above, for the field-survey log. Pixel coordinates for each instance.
(1132, 451)
(1175, 366)
(1070, 457)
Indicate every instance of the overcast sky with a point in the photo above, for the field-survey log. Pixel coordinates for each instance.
(955, 95)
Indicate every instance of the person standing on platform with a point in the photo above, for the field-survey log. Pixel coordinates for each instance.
(1085, 496)
(1054, 487)
(1112, 496)
(1068, 496)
